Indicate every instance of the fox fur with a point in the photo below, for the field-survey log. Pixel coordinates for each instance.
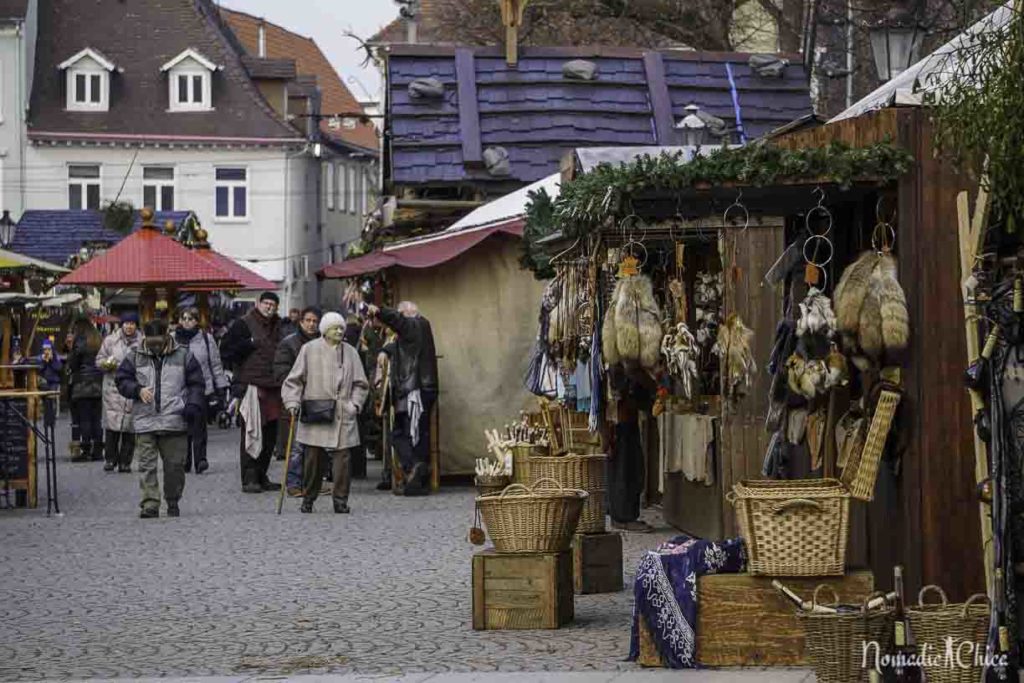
(871, 311)
(632, 331)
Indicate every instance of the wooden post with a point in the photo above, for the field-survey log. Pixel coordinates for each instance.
(972, 235)
(512, 17)
(6, 376)
(147, 304)
(203, 304)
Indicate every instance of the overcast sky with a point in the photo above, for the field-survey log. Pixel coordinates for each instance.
(325, 21)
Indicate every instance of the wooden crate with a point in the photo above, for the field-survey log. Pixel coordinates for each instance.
(597, 563)
(522, 590)
(743, 621)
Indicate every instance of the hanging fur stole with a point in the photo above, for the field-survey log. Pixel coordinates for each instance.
(737, 358)
(871, 312)
(631, 333)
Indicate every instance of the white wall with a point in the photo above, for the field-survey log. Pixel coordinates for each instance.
(12, 117)
(281, 222)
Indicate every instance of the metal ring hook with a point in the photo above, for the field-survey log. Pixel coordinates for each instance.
(738, 204)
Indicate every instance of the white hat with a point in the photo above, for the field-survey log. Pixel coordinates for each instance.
(330, 320)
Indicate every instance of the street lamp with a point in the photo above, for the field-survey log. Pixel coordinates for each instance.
(693, 126)
(7, 227)
(895, 44)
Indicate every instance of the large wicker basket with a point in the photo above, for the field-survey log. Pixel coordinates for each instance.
(521, 456)
(933, 623)
(834, 643)
(578, 471)
(538, 519)
(793, 528)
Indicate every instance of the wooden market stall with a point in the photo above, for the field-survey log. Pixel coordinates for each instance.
(924, 514)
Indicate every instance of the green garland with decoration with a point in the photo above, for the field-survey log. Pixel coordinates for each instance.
(609, 191)
(540, 222)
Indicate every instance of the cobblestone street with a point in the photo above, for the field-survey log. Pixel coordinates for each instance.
(231, 589)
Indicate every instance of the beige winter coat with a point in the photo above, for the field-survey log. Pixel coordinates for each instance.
(322, 371)
(117, 410)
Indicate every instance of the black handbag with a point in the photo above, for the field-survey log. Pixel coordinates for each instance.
(318, 411)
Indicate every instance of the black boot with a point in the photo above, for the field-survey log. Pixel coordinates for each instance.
(201, 466)
(188, 462)
(249, 483)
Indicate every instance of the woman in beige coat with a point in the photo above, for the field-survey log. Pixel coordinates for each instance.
(327, 369)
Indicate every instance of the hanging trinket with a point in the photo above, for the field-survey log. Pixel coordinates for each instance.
(990, 343)
(734, 349)
(1018, 294)
(681, 354)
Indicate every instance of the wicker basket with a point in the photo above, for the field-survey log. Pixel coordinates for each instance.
(935, 622)
(793, 528)
(521, 455)
(488, 485)
(578, 471)
(861, 471)
(834, 642)
(541, 519)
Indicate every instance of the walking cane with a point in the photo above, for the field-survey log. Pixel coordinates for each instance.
(287, 459)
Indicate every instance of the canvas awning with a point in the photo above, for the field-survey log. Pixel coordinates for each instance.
(504, 215)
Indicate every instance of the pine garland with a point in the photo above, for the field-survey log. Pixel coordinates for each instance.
(608, 191)
(540, 222)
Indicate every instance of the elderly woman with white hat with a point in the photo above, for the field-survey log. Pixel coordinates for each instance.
(325, 392)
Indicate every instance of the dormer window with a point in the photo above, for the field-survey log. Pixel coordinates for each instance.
(88, 80)
(190, 82)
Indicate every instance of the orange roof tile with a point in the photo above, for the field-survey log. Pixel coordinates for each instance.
(147, 257)
(309, 59)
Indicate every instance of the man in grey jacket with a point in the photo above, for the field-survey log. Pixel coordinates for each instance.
(166, 386)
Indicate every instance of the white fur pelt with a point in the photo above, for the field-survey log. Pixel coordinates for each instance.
(631, 333)
(871, 311)
(816, 316)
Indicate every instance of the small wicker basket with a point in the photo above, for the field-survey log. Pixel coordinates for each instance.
(798, 527)
(488, 485)
(834, 643)
(538, 519)
(932, 624)
(579, 471)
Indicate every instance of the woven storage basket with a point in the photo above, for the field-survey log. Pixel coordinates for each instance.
(793, 528)
(861, 471)
(538, 519)
(521, 455)
(488, 485)
(834, 642)
(935, 622)
(578, 471)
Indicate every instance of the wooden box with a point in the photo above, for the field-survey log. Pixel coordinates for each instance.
(743, 621)
(597, 563)
(522, 590)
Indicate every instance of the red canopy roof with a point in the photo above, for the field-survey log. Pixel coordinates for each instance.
(422, 253)
(147, 257)
(249, 280)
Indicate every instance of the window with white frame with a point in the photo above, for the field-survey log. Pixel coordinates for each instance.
(360, 183)
(339, 181)
(189, 81)
(158, 187)
(329, 185)
(343, 187)
(352, 180)
(83, 186)
(88, 81)
(231, 188)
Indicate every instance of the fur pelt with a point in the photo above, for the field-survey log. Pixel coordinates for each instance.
(871, 311)
(632, 331)
(734, 349)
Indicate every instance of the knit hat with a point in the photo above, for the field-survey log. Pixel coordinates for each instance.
(47, 344)
(330, 320)
(271, 296)
(130, 317)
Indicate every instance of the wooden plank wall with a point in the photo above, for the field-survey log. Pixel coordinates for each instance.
(927, 517)
(744, 438)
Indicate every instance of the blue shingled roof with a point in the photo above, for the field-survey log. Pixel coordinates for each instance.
(537, 115)
(55, 235)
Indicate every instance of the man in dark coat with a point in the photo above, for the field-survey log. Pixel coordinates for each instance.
(249, 348)
(414, 388)
(284, 359)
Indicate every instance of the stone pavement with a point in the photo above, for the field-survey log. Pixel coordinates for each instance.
(232, 590)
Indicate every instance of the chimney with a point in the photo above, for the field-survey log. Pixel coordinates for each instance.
(409, 10)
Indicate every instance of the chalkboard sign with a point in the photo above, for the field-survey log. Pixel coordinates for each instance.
(13, 440)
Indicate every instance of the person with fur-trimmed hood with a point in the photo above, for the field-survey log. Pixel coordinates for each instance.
(166, 387)
(119, 443)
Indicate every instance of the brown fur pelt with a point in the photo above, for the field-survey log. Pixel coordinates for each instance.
(871, 311)
(734, 348)
(631, 333)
